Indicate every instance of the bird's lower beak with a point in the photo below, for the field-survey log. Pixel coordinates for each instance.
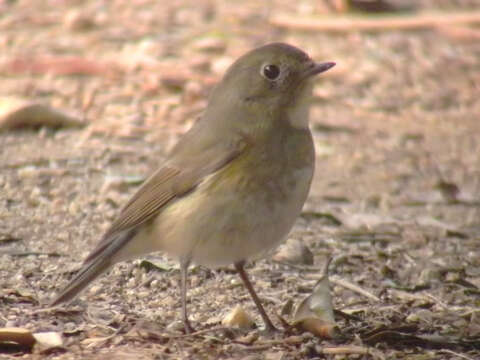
(318, 68)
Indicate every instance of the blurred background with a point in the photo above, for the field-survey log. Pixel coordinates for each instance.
(94, 93)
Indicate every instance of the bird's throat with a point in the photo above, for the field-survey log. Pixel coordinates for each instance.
(298, 111)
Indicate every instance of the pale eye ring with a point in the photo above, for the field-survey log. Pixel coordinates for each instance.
(271, 71)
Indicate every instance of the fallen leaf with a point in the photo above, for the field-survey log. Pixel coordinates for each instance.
(16, 112)
(323, 218)
(315, 313)
(448, 190)
(6, 238)
(70, 65)
(20, 336)
(157, 266)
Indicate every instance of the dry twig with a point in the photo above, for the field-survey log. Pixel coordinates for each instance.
(351, 23)
(355, 288)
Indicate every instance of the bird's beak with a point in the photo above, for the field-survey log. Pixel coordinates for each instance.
(318, 68)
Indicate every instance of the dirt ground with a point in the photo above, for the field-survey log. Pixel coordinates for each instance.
(395, 199)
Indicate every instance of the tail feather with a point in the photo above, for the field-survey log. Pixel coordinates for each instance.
(94, 266)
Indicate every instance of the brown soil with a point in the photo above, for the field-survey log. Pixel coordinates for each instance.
(397, 132)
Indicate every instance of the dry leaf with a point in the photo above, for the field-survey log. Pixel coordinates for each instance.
(16, 112)
(315, 312)
(448, 190)
(318, 327)
(20, 336)
(70, 65)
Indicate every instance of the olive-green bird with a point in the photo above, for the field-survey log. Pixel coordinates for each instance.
(234, 184)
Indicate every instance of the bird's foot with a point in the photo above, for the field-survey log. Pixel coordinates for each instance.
(188, 327)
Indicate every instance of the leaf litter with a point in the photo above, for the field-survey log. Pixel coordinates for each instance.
(394, 200)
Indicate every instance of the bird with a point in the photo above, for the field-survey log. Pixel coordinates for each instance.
(232, 187)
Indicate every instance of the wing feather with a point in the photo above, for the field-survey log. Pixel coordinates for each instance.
(168, 182)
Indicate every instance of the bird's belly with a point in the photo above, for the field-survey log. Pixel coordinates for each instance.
(221, 222)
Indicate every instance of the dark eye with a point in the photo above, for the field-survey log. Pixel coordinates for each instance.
(271, 72)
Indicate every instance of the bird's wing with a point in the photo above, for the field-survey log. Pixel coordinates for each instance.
(199, 153)
(178, 176)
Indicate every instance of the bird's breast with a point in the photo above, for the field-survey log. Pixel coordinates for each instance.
(242, 210)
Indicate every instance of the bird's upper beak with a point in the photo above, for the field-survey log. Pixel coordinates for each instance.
(318, 68)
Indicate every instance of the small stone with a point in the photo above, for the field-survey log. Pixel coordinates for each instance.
(120, 183)
(74, 208)
(294, 251)
(48, 339)
(11, 323)
(143, 294)
(176, 326)
(75, 20)
(420, 316)
(193, 91)
(27, 172)
(220, 65)
(199, 63)
(95, 289)
(238, 317)
(430, 275)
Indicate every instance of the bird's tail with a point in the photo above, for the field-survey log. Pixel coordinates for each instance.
(96, 264)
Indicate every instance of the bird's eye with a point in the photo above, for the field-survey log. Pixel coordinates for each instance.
(271, 72)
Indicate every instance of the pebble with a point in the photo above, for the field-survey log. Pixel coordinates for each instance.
(238, 317)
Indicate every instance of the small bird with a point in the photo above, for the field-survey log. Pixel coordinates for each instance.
(232, 187)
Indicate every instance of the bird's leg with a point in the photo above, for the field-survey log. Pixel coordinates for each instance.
(239, 266)
(184, 263)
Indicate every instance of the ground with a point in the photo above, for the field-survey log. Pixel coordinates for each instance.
(395, 199)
